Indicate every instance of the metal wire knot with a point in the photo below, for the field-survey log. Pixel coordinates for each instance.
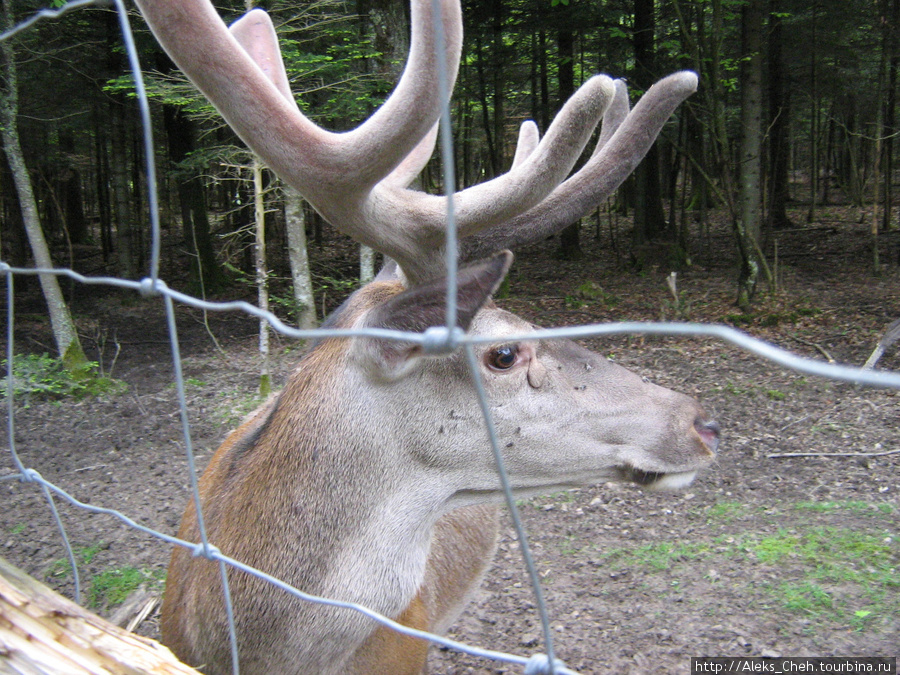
(539, 664)
(151, 287)
(207, 551)
(440, 341)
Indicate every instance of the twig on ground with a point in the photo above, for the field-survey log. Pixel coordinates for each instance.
(817, 346)
(832, 454)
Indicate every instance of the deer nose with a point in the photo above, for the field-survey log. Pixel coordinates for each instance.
(709, 431)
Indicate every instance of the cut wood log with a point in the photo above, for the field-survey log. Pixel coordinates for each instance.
(43, 632)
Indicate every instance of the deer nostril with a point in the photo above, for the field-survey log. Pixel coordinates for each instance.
(709, 431)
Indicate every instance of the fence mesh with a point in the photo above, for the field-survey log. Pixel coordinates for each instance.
(436, 340)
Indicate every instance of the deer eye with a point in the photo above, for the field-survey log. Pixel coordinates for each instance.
(503, 358)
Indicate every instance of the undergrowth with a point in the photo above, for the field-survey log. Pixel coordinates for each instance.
(42, 377)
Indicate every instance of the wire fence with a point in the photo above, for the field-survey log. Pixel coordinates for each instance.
(437, 340)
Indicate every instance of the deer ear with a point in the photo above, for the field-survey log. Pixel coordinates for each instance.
(423, 306)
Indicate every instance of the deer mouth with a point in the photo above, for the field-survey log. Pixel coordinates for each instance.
(707, 433)
(657, 480)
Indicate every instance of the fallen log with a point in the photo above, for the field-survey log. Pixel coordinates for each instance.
(43, 632)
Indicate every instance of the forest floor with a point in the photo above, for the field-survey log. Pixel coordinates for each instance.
(763, 555)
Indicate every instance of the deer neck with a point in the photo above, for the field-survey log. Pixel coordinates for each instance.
(361, 516)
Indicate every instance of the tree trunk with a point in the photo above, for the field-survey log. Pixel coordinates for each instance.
(44, 632)
(779, 119)
(13, 238)
(879, 130)
(295, 224)
(120, 190)
(890, 114)
(649, 214)
(813, 119)
(569, 237)
(70, 191)
(104, 206)
(390, 24)
(64, 332)
(544, 108)
(747, 224)
(262, 274)
(499, 66)
(205, 271)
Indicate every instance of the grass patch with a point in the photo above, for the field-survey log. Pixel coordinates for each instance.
(232, 407)
(852, 506)
(835, 575)
(658, 556)
(84, 555)
(773, 549)
(835, 554)
(805, 597)
(835, 571)
(725, 511)
(113, 587)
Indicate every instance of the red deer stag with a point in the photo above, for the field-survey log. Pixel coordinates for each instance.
(370, 478)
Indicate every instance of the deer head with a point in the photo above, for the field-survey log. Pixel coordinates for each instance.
(367, 479)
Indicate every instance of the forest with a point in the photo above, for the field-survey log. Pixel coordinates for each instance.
(796, 106)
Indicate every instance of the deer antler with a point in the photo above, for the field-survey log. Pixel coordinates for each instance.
(624, 140)
(358, 180)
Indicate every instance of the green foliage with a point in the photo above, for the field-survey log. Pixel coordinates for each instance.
(590, 293)
(43, 377)
(772, 319)
(741, 319)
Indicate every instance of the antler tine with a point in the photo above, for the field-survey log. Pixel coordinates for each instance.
(256, 34)
(409, 226)
(421, 218)
(615, 115)
(529, 137)
(412, 166)
(599, 177)
(537, 174)
(315, 161)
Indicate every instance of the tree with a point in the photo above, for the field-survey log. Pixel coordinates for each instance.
(569, 238)
(747, 225)
(295, 225)
(64, 332)
(778, 118)
(181, 134)
(649, 216)
(390, 27)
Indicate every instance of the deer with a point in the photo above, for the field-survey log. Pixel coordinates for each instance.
(369, 478)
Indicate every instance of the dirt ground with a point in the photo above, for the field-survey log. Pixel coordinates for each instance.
(763, 555)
